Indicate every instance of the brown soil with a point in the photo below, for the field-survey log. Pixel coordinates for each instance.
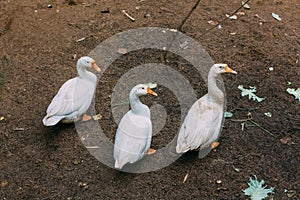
(36, 58)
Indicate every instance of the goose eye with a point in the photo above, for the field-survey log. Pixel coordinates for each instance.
(143, 88)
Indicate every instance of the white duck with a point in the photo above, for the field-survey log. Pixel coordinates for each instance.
(202, 125)
(75, 96)
(134, 133)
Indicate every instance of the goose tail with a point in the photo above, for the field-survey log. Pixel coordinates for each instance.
(52, 120)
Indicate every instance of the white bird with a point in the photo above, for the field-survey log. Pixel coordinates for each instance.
(75, 96)
(134, 133)
(202, 125)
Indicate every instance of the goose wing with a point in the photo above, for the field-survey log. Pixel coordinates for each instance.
(201, 125)
(132, 140)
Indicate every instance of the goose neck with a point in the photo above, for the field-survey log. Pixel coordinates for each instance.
(83, 73)
(213, 89)
(137, 106)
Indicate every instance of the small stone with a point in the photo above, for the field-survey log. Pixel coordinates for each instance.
(219, 181)
(49, 6)
(82, 185)
(76, 162)
(236, 169)
(147, 15)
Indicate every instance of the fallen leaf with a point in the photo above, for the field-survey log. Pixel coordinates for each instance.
(241, 13)
(250, 93)
(287, 140)
(245, 5)
(97, 117)
(228, 114)
(152, 85)
(256, 190)
(294, 92)
(268, 114)
(234, 17)
(213, 23)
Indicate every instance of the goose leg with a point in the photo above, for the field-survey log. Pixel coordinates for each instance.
(214, 145)
(86, 117)
(151, 151)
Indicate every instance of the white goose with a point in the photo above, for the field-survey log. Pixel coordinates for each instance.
(202, 125)
(134, 133)
(75, 96)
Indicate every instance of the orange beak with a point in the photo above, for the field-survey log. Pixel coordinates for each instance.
(229, 70)
(149, 91)
(95, 67)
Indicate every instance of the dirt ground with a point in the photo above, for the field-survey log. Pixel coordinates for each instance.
(38, 44)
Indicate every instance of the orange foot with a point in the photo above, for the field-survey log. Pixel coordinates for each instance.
(214, 145)
(151, 151)
(86, 117)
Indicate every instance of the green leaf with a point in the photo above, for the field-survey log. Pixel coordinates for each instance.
(268, 114)
(228, 114)
(256, 190)
(250, 92)
(151, 85)
(294, 92)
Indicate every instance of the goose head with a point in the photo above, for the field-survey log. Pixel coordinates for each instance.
(222, 68)
(140, 90)
(87, 62)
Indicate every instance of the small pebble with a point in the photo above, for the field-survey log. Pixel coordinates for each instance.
(219, 181)
(49, 6)
(147, 15)
(82, 185)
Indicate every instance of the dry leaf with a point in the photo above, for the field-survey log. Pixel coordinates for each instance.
(213, 23)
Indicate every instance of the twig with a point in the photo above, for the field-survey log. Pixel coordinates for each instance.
(240, 120)
(189, 14)
(185, 178)
(253, 122)
(180, 28)
(243, 109)
(127, 15)
(256, 124)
